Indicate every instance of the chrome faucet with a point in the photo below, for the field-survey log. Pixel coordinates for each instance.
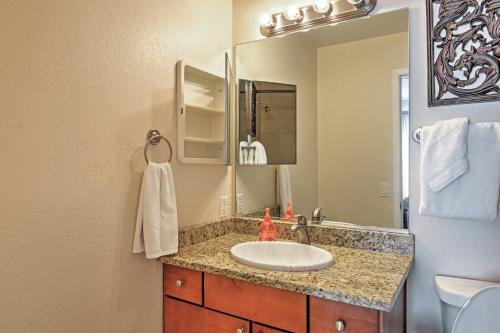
(302, 231)
(318, 216)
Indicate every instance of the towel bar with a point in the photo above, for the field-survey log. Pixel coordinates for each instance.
(154, 137)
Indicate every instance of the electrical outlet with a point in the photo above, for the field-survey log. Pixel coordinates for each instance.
(240, 203)
(384, 190)
(223, 206)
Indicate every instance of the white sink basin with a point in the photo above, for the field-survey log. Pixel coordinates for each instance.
(282, 256)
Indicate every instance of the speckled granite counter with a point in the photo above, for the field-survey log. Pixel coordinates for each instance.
(358, 276)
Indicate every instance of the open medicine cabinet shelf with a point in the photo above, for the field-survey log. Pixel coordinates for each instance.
(202, 114)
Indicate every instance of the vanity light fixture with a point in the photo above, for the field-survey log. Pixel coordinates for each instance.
(322, 6)
(320, 13)
(293, 13)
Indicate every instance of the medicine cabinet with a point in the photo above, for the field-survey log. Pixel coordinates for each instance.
(202, 114)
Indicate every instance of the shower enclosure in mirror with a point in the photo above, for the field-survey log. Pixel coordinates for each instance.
(267, 127)
(327, 114)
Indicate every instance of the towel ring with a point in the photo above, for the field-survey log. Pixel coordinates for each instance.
(154, 137)
(417, 135)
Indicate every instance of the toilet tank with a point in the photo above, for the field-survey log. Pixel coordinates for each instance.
(453, 293)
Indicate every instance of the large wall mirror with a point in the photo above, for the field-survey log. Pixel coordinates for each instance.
(327, 114)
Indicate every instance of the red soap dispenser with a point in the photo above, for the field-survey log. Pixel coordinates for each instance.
(267, 230)
(288, 213)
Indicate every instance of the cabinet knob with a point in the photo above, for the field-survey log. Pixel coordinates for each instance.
(179, 283)
(340, 325)
(240, 330)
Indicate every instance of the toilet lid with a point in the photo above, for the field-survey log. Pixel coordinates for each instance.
(481, 313)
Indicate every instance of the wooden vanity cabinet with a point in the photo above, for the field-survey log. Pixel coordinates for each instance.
(196, 302)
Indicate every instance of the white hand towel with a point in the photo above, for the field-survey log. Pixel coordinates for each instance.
(285, 187)
(444, 152)
(475, 194)
(260, 156)
(156, 230)
(243, 154)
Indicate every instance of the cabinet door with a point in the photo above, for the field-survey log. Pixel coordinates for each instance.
(256, 328)
(181, 317)
(324, 314)
(270, 306)
(183, 283)
(202, 114)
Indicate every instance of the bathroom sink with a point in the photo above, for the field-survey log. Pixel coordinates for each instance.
(282, 256)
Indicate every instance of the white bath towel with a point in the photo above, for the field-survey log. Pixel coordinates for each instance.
(156, 230)
(475, 194)
(285, 187)
(444, 152)
(259, 156)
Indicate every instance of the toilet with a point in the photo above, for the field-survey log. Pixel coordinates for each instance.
(469, 305)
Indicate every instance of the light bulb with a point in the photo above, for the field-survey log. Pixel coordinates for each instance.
(293, 13)
(322, 6)
(267, 21)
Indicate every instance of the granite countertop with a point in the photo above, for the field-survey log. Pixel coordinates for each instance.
(359, 277)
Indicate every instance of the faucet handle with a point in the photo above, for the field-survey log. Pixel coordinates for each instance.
(302, 232)
(318, 216)
(301, 220)
(318, 211)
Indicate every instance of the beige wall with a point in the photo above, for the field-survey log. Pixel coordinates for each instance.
(258, 183)
(356, 128)
(81, 82)
(443, 246)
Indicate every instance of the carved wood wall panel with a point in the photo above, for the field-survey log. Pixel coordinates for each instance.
(463, 51)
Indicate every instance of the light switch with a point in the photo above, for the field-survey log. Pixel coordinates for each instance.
(240, 203)
(384, 190)
(223, 206)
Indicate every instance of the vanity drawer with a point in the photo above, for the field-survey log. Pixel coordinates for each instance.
(181, 317)
(256, 328)
(279, 308)
(324, 314)
(183, 283)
